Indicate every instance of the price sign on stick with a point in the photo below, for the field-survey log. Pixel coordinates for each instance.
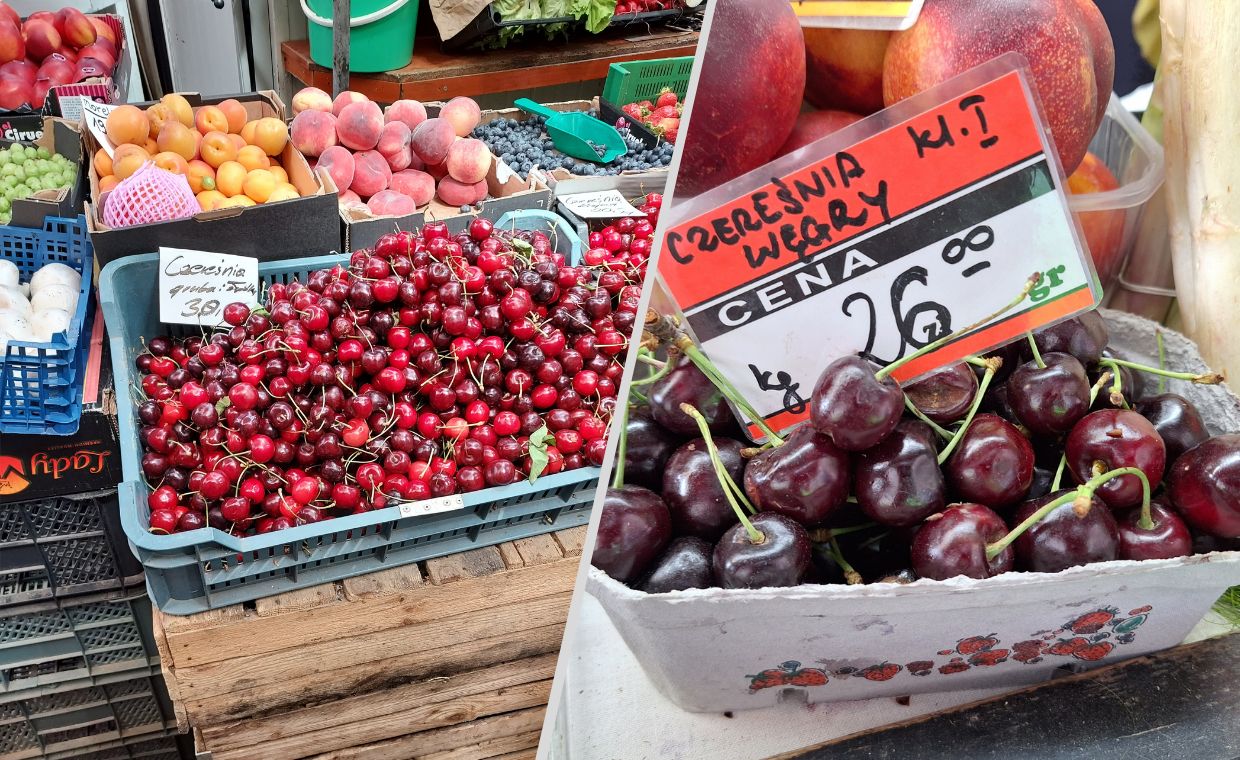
(96, 117)
(195, 286)
(858, 14)
(881, 239)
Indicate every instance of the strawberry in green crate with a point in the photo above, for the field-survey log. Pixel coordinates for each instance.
(662, 117)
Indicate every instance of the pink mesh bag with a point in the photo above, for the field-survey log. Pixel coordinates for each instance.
(149, 195)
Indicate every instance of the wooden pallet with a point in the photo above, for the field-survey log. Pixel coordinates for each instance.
(447, 659)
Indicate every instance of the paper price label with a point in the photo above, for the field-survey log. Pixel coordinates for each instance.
(880, 239)
(858, 14)
(606, 204)
(432, 506)
(195, 286)
(95, 115)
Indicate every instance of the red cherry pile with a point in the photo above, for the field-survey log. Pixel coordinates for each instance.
(889, 484)
(624, 244)
(428, 366)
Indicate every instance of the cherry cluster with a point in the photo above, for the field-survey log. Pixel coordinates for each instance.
(1050, 453)
(429, 365)
(624, 244)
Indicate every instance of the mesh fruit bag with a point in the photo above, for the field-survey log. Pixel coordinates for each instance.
(149, 195)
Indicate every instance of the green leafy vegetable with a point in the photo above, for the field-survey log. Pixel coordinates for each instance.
(597, 13)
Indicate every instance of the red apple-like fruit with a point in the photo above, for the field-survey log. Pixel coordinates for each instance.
(42, 39)
(815, 125)
(90, 68)
(749, 93)
(57, 70)
(844, 68)
(1069, 49)
(6, 11)
(100, 53)
(12, 43)
(104, 31)
(1104, 230)
(22, 69)
(78, 31)
(15, 93)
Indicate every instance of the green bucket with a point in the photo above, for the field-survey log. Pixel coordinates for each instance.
(380, 34)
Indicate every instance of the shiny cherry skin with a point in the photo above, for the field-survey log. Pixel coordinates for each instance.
(648, 446)
(852, 406)
(898, 482)
(1168, 538)
(633, 530)
(1177, 421)
(1205, 486)
(1116, 438)
(685, 384)
(806, 478)
(1131, 383)
(1084, 336)
(1049, 400)
(945, 394)
(780, 559)
(1062, 539)
(692, 492)
(685, 564)
(992, 464)
(953, 542)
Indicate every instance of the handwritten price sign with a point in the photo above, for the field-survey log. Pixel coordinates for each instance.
(881, 239)
(195, 286)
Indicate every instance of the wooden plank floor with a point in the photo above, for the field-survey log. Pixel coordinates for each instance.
(450, 658)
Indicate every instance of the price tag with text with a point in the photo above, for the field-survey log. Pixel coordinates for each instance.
(195, 286)
(881, 239)
(606, 204)
(95, 115)
(858, 14)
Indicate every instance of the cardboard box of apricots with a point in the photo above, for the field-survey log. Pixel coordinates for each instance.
(505, 192)
(65, 138)
(307, 225)
(712, 650)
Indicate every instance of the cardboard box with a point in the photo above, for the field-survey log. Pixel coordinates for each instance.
(65, 138)
(508, 192)
(38, 466)
(296, 228)
(714, 650)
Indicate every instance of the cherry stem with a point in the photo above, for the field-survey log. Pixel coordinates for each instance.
(1162, 360)
(708, 368)
(617, 478)
(645, 357)
(725, 480)
(908, 404)
(1209, 378)
(851, 576)
(1063, 462)
(662, 369)
(991, 367)
(937, 344)
(821, 535)
(1117, 390)
(1097, 387)
(1082, 497)
(1033, 346)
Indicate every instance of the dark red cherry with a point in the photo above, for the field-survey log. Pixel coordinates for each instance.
(1084, 336)
(992, 464)
(1167, 537)
(953, 542)
(1111, 439)
(898, 482)
(648, 446)
(1205, 486)
(1062, 539)
(945, 394)
(780, 558)
(806, 478)
(686, 563)
(685, 384)
(633, 529)
(852, 406)
(1177, 421)
(692, 492)
(1049, 400)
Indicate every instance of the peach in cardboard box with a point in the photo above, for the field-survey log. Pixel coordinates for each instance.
(735, 649)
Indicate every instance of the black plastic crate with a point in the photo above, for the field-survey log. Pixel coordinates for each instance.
(64, 546)
(63, 642)
(79, 722)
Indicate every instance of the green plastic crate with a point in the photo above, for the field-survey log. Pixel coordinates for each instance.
(632, 81)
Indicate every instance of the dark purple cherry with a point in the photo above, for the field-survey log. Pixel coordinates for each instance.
(685, 384)
(898, 482)
(806, 478)
(685, 564)
(945, 394)
(633, 529)
(1167, 537)
(1205, 486)
(1111, 439)
(992, 464)
(953, 542)
(780, 558)
(852, 406)
(648, 446)
(1131, 383)
(692, 492)
(1062, 539)
(1049, 400)
(1177, 421)
(1084, 336)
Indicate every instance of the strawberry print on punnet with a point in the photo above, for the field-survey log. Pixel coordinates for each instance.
(1090, 637)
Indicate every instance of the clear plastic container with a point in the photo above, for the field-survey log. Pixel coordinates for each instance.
(1110, 218)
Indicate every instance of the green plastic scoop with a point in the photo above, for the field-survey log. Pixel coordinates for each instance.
(576, 133)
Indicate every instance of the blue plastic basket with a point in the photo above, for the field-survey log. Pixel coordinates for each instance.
(207, 568)
(41, 383)
(563, 236)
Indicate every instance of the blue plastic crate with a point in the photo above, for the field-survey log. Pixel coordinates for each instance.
(41, 383)
(207, 568)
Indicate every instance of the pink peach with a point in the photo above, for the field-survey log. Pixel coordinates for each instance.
(468, 161)
(359, 125)
(462, 113)
(418, 185)
(312, 99)
(313, 132)
(410, 112)
(432, 139)
(371, 173)
(339, 163)
(346, 98)
(391, 203)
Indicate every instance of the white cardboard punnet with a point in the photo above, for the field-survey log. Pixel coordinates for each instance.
(716, 649)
